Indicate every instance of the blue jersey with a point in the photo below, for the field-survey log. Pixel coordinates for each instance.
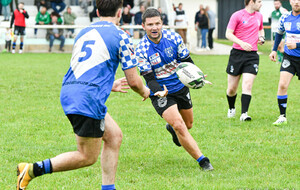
(162, 59)
(98, 49)
(290, 24)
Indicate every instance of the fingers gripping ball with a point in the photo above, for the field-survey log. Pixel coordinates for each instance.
(190, 75)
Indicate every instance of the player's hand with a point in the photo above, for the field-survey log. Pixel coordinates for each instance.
(246, 46)
(146, 93)
(119, 85)
(261, 40)
(163, 93)
(273, 55)
(206, 81)
(291, 45)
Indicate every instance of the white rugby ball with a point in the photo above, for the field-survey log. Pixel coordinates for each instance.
(190, 75)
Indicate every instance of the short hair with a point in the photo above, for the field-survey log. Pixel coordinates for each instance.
(248, 1)
(22, 3)
(149, 13)
(108, 8)
(277, 0)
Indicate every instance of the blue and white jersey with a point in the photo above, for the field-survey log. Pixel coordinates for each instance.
(290, 24)
(162, 59)
(98, 49)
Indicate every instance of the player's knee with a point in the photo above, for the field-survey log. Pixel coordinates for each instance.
(189, 124)
(231, 91)
(180, 127)
(114, 139)
(89, 159)
(282, 87)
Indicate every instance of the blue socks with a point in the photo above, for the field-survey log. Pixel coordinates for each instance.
(108, 187)
(201, 157)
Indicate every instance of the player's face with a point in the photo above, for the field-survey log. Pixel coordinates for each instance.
(21, 6)
(295, 5)
(277, 5)
(153, 27)
(257, 5)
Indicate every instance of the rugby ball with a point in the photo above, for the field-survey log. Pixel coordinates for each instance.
(190, 75)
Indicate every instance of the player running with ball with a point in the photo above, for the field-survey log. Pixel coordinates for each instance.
(159, 52)
(289, 24)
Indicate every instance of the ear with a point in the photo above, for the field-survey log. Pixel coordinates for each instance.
(98, 15)
(143, 26)
(119, 13)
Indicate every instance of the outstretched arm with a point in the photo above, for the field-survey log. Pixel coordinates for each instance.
(119, 85)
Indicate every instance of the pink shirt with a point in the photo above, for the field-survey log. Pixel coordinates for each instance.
(245, 27)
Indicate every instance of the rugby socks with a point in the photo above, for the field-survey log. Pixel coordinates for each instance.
(41, 168)
(14, 45)
(231, 101)
(21, 45)
(246, 98)
(280, 56)
(282, 103)
(108, 187)
(200, 158)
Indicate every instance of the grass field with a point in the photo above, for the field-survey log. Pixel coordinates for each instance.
(253, 155)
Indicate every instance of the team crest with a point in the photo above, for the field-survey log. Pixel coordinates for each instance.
(255, 67)
(155, 59)
(231, 68)
(169, 52)
(162, 102)
(285, 63)
(298, 26)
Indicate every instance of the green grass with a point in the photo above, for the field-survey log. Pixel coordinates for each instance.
(253, 155)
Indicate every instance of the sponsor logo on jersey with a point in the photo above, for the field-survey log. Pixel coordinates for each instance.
(166, 70)
(288, 25)
(285, 63)
(169, 52)
(155, 59)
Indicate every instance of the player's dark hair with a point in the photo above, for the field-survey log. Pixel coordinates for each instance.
(149, 13)
(108, 8)
(248, 1)
(22, 3)
(277, 0)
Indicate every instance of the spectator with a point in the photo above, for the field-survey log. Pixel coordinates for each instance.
(94, 11)
(59, 19)
(274, 20)
(126, 19)
(42, 18)
(129, 3)
(211, 26)
(58, 3)
(69, 19)
(6, 10)
(203, 25)
(84, 4)
(18, 19)
(138, 15)
(8, 37)
(42, 3)
(55, 33)
(197, 18)
(163, 16)
(181, 20)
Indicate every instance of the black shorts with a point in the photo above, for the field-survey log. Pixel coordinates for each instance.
(19, 31)
(291, 64)
(182, 98)
(87, 127)
(242, 62)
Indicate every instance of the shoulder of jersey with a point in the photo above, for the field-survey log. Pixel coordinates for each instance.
(169, 35)
(142, 46)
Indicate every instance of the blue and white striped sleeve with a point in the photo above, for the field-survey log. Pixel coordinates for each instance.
(281, 25)
(142, 57)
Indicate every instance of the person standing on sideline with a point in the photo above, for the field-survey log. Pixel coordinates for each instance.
(159, 52)
(245, 30)
(6, 9)
(203, 25)
(18, 19)
(274, 20)
(289, 24)
(181, 21)
(197, 18)
(211, 27)
(97, 52)
(69, 19)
